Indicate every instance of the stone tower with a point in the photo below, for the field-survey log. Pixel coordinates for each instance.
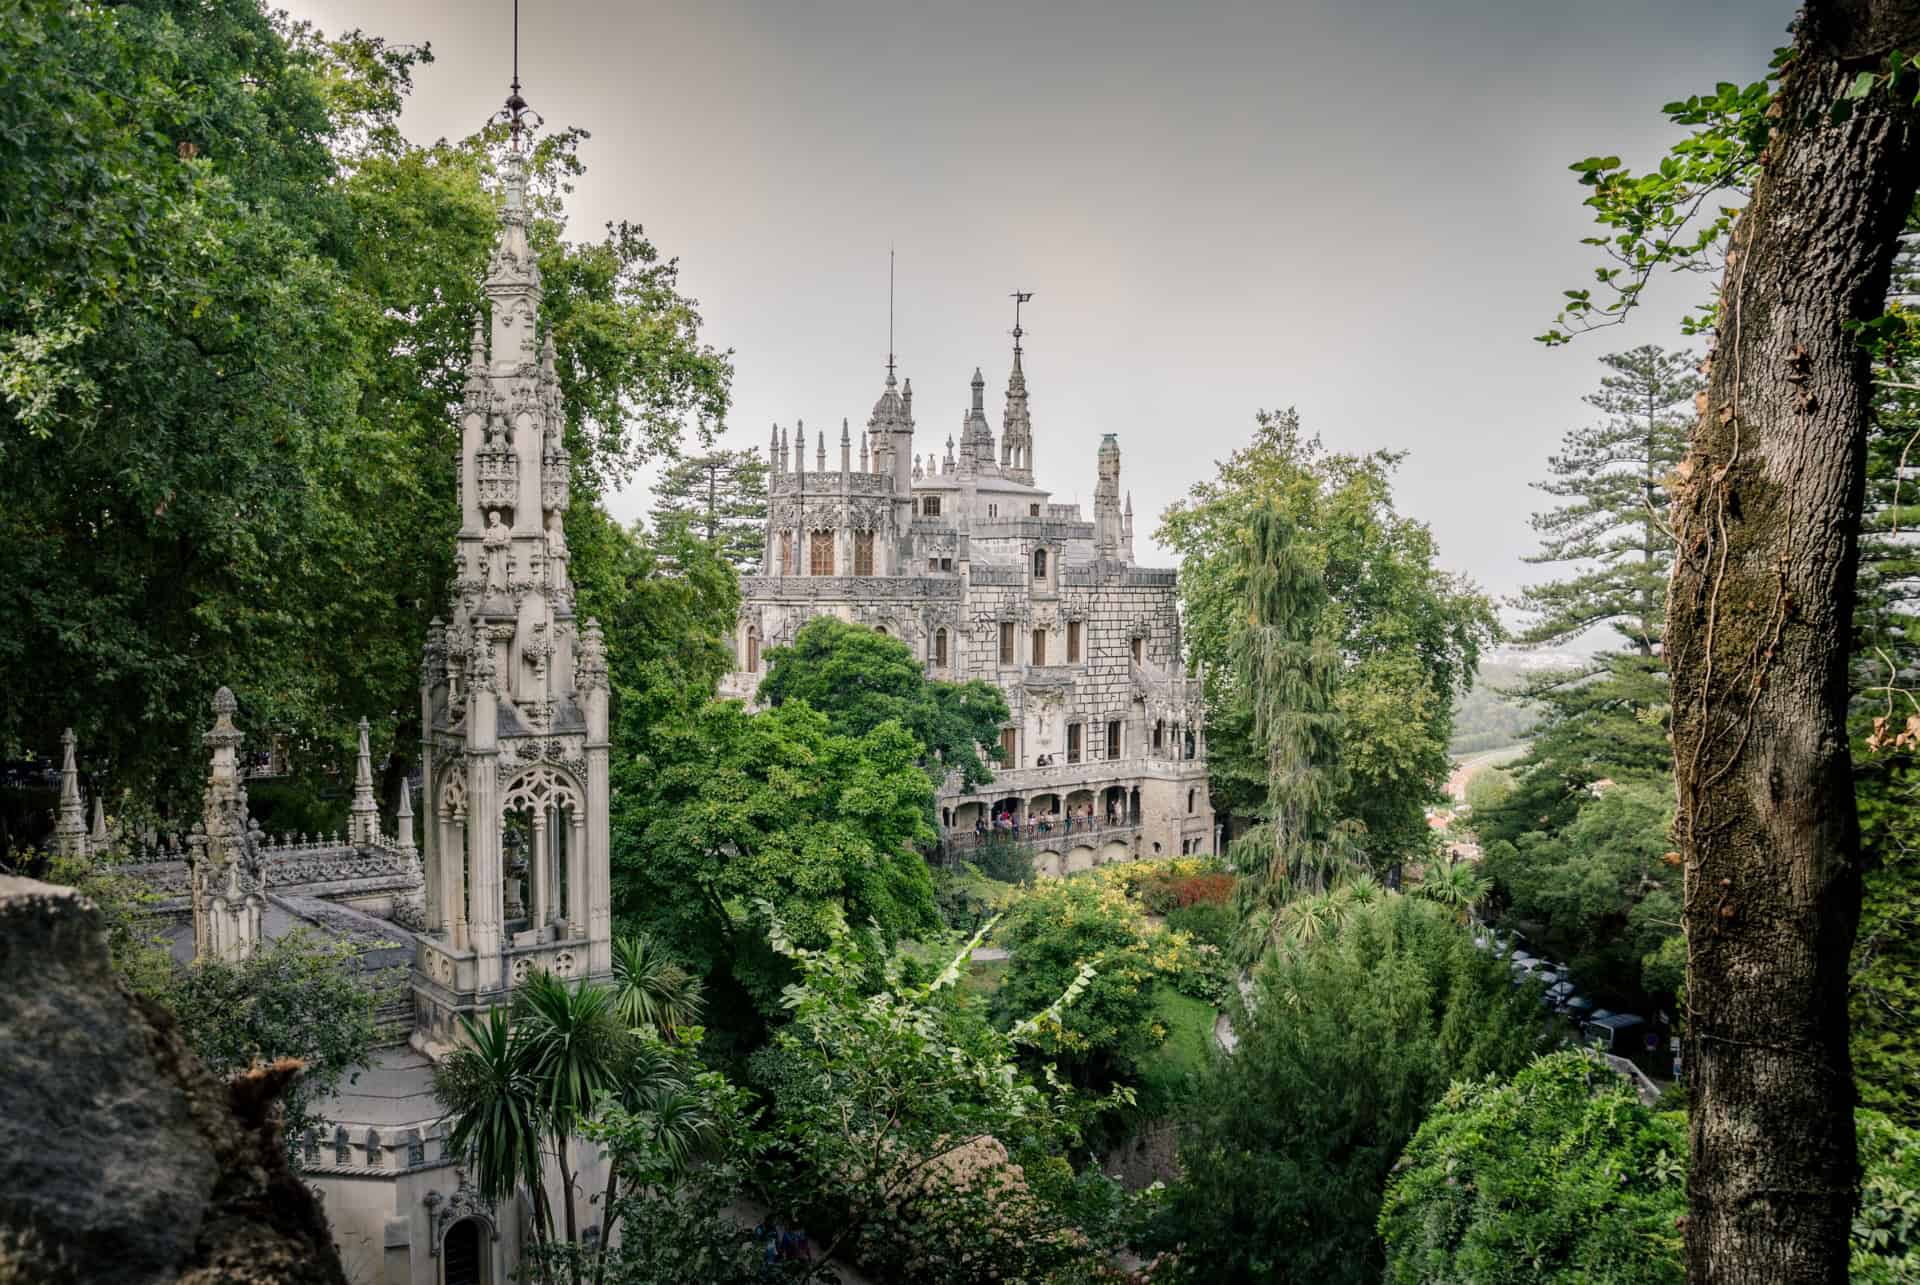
(513, 695)
(224, 852)
(1106, 501)
(1016, 431)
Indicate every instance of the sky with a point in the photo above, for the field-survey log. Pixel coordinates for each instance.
(1359, 209)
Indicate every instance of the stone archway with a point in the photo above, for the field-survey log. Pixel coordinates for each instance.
(1080, 858)
(1114, 850)
(1048, 865)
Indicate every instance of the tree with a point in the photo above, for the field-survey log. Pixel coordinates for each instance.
(1290, 671)
(723, 806)
(1054, 932)
(1489, 788)
(241, 311)
(295, 997)
(1611, 478)
(722, 497)
(1767, 509)
(901, 1124)
(1558, 1174)
(860, 678)
(1346, 1043)
(493, 1103)
(1408, 635)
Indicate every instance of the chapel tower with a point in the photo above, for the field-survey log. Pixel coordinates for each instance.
(513, 692)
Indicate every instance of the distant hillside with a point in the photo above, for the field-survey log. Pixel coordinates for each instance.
(1487, 719)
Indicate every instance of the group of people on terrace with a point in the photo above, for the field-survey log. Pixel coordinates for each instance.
(1005, 825)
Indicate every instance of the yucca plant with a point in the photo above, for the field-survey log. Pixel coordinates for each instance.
(651, 988)
(573, 1047)
(494, 1105)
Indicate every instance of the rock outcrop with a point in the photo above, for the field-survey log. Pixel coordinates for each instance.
(121, 1158)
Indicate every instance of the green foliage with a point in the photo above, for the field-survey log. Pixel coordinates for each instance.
(1885, 987)
(1610, 527)
(1208, 922)
(1489, 788)
(967, 898)
(1407, 634)
(1003, 858)
(722, 807)
(860, 678)
(1597, 892)
(525, 1083)
(1556, 1175)
(1560, 1174)
(720, 496)
(1060, 928)
(901, 1124)
(1348, 1042)
(1674, 217)
(238, 313)
(294, 997)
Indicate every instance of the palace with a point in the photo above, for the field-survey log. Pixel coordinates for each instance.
(969, 562)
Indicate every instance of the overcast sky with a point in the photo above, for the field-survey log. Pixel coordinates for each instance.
(1360, 208)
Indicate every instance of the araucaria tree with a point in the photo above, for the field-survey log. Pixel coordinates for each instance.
(1611, 523)
(722, 498)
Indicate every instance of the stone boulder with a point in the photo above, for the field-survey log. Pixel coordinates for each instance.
(121, 1158)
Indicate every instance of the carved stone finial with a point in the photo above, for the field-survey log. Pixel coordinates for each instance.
(591, 672)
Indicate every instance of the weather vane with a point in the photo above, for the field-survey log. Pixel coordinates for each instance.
(519, 118)
(1019, 297)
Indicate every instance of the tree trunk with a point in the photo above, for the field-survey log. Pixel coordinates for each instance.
(566, 1183)
(1766, 509)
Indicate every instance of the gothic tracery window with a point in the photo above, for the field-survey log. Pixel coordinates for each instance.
(820, 553)
(863, 553)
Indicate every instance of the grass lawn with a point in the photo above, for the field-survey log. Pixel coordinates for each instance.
(1189, 1044)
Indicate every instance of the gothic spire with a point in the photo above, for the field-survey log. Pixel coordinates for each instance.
(70, 828)
(363, 817)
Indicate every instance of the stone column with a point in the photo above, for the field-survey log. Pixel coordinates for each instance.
(484, 873)
(537, 871)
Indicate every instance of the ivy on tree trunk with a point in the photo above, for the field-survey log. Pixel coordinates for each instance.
(1767, 511)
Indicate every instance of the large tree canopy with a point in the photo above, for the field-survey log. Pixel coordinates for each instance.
(724, 808)
(238, 311)
(1408, 634)
(861, 678)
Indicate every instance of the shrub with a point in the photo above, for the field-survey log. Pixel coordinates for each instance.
(1211, 923)
(1349, 1041)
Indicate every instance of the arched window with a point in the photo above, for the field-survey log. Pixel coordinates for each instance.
(1039, 564)
(1190, 797)
(753, 651)
(786, 553)
(863, 553)
(1039, 646)
(820, 553)
(940, 648)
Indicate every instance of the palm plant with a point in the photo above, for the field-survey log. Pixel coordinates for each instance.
(652, 989)
(653, 1087)
(495, 1106)
(1458, 885)
(574, 1048)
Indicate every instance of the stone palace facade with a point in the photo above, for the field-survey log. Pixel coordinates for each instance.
(968, 561)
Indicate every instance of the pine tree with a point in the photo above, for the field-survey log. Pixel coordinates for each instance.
(722, 497)
(1292, 672)
(1611, 523)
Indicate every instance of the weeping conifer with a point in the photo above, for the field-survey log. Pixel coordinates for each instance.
(1291, 670)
